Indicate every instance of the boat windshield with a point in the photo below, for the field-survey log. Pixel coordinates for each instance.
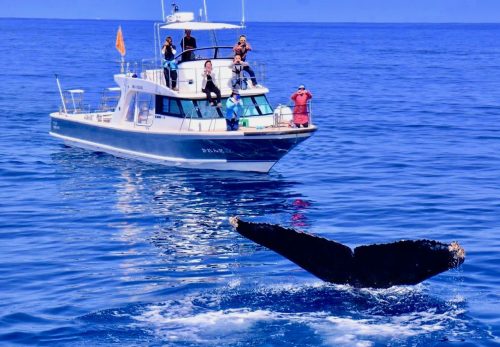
(205, 53)
(256, 105)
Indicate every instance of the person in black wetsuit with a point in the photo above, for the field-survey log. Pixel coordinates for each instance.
(169, 66)
(188, 42)
(208, 85)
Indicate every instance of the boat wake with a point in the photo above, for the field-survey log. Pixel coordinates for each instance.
(317, 314)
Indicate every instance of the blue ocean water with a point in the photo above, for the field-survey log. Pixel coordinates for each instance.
(96, 250)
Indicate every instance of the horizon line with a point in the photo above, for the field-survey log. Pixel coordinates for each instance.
(278, 22)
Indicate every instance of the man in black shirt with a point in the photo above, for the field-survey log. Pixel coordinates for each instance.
(188, 42)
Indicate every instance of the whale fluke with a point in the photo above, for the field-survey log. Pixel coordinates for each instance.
(376, 266)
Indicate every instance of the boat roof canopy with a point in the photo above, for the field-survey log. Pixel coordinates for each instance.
(200, 26)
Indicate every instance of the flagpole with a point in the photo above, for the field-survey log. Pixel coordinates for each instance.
(120, 46)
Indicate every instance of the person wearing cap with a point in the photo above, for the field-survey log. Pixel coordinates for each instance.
(233, 110)
(188, 42)
(300, 111)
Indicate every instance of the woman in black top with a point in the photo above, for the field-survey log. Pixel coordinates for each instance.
(169, 67)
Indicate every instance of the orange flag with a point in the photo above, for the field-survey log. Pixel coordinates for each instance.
(120, 44)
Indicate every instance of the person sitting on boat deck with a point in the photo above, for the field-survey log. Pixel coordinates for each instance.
(208, 86)
(233, 110)
(238, 81)
(241, 48)
(188, 42)
(169, 66)
(300, 112)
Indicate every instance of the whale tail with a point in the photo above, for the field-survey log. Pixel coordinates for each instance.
(376, 266)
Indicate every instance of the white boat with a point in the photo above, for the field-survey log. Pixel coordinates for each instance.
(144, 119)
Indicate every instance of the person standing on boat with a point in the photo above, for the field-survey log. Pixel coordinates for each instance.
(208, 86)
(300, 112)
(241, 48)
(188, 42)
(169, 66)
(233, 110)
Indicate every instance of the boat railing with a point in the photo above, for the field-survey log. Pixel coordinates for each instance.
(82, 109)
(109, 99)
(282, 116)
(205, 53)
(73, 102)
(152, 70)
(189, 79)
(212, 114)
(282, 112)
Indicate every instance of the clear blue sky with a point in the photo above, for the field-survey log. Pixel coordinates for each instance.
(482, 11)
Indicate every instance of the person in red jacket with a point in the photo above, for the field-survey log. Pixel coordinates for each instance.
(300, 111)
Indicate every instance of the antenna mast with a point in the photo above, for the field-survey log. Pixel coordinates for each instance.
(214, 37)
(242, 13)
(205, 9)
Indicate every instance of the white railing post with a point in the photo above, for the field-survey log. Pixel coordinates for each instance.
(310, 113)
(61, 94)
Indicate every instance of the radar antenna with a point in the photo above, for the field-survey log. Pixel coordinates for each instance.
(175, 7)
(242, 13)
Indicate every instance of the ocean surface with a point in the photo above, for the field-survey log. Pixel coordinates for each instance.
(96, 250)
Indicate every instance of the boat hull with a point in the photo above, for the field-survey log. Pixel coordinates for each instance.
(241, 151)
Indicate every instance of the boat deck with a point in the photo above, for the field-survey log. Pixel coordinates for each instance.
(280, 130)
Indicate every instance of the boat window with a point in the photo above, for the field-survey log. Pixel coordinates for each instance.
(189, 108)
(249, 108)
(145, 101)
(145, 106)
(206, 110)
(174, 107)
(253, 106)
(168, 106)
(131, 108)
(263, 104)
